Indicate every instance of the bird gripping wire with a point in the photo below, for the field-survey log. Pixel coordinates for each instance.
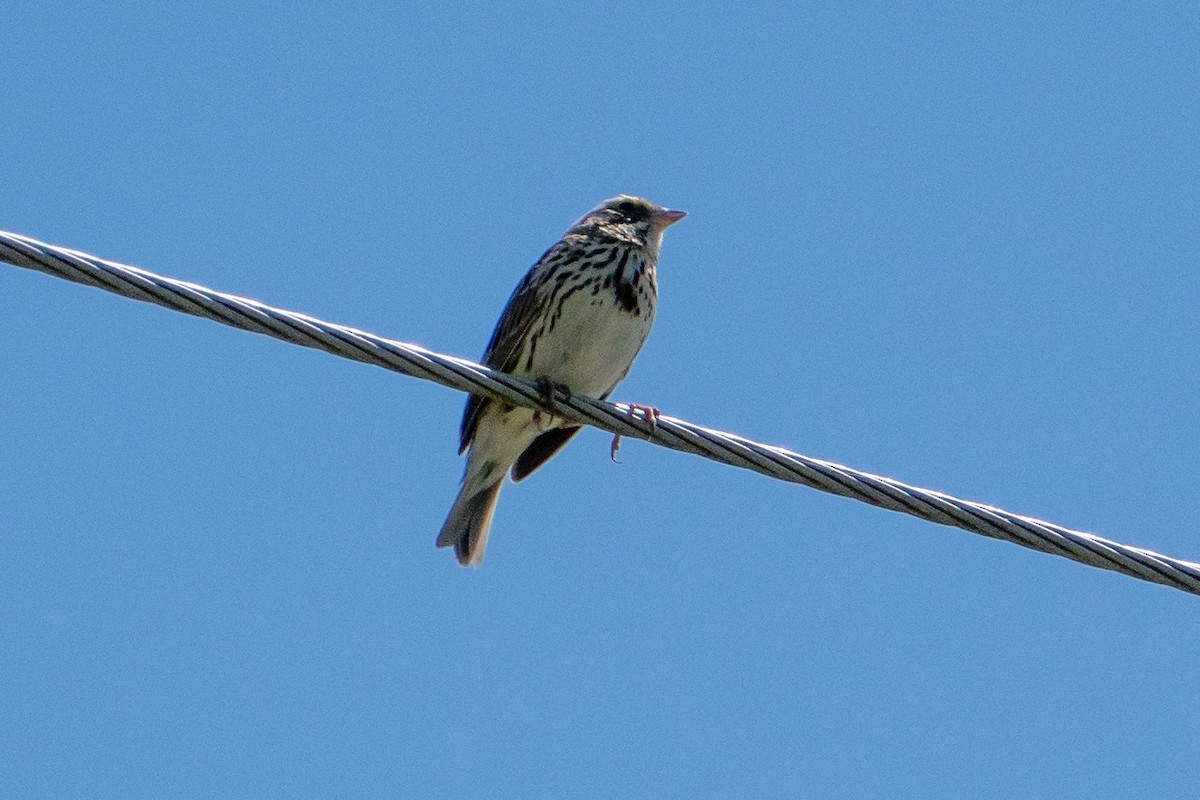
(727, 448)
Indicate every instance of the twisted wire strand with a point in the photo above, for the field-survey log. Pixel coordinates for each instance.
(677, 434)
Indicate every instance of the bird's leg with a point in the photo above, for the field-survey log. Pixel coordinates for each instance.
(551, 392)
(650, 415)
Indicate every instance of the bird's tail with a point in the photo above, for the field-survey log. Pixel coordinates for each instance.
(467, 525)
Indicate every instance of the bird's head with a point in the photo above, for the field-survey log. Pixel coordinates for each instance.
(627, 217)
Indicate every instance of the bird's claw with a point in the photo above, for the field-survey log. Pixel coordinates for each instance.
(551, 392)
(650, 416)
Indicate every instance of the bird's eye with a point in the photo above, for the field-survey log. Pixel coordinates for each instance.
(628, 209)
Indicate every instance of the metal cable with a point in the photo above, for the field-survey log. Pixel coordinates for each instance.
(727, 448)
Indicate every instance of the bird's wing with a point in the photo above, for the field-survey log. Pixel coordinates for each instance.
(505, 348)
(541, 450)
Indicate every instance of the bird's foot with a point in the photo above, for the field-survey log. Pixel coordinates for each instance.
(551, 393)
(650, 416)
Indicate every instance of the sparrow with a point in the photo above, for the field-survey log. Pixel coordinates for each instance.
(574, 323)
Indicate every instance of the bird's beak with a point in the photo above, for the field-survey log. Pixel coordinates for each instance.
(665, 217)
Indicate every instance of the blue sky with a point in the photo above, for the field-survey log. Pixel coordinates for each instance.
(953, 245)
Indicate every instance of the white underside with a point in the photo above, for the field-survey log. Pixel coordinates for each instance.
(591, 347)
(590, 350)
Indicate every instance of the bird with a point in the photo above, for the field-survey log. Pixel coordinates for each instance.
(574, 323)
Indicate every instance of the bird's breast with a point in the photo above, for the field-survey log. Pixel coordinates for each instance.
(597, 325)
